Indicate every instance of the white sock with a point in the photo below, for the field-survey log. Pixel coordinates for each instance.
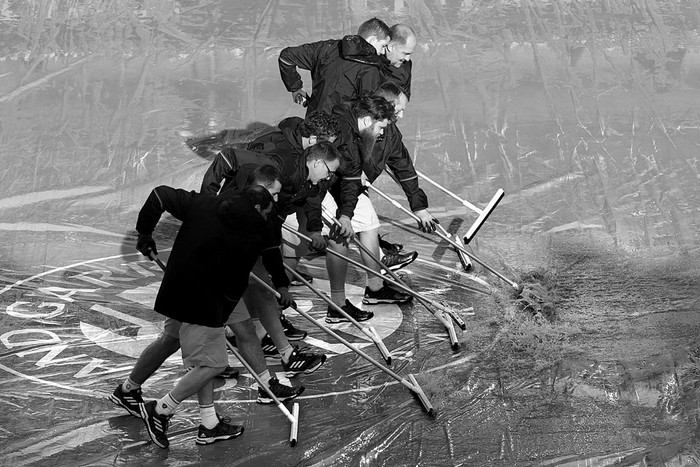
(208, 415)
(265, 377)
(166, 405)
(286, 353)
(129, 385)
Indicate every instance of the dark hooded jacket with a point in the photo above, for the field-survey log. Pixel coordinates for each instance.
(341, 70)
(350, 145)
(390, 151)
(297, 191)
(214, 251)
(281, 149)
(401, 76)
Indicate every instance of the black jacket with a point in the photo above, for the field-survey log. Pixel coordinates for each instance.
(390, 151)
(349, 143)
(401, 76)
(214, 251)
(297, 191)
(340, 70)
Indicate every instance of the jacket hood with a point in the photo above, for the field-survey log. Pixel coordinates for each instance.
(289, 127)
(357, 49)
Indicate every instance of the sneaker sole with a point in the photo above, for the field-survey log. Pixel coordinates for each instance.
(214, 439)
(115, 400)
(144, 417)
(377, 301)
(295, 337)
(266, 401)
(396, 267)
(345, 320)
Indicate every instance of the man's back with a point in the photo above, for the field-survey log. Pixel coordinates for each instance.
(340, 70)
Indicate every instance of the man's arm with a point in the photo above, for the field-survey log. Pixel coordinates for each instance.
(162, 198)
(222, 168)
(304, 56)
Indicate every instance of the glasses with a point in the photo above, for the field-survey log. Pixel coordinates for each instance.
(330, 172)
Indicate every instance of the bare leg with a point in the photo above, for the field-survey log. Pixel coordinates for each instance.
(153, 357)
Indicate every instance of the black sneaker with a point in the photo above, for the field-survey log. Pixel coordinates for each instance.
(128, 400)
(221, 432)
(389, 248)
(302, 362)
(229, 373)
(269, 348)
(333, 316)
(292, 333)
(282, 392)
(295, 281)
(156, 424)
(396, 261)
(385, 295)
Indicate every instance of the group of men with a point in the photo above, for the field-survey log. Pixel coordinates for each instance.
(293, 175)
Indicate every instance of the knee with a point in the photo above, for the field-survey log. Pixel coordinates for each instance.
(168, 343)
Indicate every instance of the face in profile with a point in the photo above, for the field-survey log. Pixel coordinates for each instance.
(320, 170)
(397, 54)
(379, 44)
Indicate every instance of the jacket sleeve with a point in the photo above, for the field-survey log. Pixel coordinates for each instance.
(163, 199)
(272, 254)
(401, 165)
(222, 168)
(303, 56)
(350, 185)
(312, 210)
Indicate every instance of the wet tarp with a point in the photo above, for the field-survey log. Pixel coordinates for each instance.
(584, 112)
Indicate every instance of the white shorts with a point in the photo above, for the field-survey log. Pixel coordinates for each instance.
(363, 219)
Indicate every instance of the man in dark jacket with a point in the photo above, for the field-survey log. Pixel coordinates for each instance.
(215, 249)
(396, 62)
(361, 123)
(340, 69)
(299, 191)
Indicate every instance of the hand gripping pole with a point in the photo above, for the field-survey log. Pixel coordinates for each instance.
(414, 387)
(446, 322)
(483, 214)
(368, 331)
(293, 417)
(447, 239)
(424, 300)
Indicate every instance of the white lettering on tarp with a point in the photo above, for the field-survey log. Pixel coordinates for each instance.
(52, 338)
(104, 276)
(23, 310)
(51, 354)
(139, 269)
(64, 293)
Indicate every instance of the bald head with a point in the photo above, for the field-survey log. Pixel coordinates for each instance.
(403, 43)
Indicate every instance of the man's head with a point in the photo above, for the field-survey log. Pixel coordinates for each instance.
(260, 198)
(373, 114)
(318, 126)
(322, 159)
(268, 177)
(401, 46)
(376, 32)
(392, 92)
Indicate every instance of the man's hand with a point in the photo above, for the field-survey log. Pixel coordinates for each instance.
(286, 299)
(427, 222)
(300, 97)
(146, 245)
(318, 241)
(345, 227)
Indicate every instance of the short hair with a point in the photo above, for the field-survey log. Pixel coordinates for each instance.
(322, 150)
(390, 91)
(400, 33)
(265, 175)
(259, 195)
(374, 106)
(374, 27)
(321, 124)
